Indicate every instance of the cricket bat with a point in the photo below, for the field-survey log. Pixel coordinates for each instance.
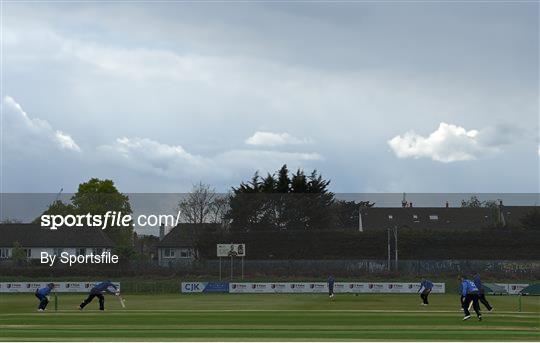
(122, 301)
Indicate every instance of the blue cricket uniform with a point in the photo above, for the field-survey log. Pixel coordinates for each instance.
(104, 287)
(468, 287)
(42, 294)
(478, 283)
(425, 286)
(481, 292)
(469, 293)
(97, 291)
(330, 282)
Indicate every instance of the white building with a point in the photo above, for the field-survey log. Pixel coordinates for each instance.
(33, 239)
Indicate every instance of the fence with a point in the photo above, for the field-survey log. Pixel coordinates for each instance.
(353, 267)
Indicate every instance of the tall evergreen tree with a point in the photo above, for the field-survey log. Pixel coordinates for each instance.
(283, 201)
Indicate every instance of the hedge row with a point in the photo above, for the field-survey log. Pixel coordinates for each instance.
(494, 244)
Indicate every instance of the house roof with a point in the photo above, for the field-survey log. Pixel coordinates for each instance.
(33, 235)
(183, 235)
(440, 217)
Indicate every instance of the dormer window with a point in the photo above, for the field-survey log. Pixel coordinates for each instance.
(433, 217)
(390, 217)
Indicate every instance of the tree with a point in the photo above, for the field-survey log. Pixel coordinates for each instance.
(203, 205)
(531, 221)
(97, 197)
(57, 208)
(18, 254)
(472, 202)
(282, 201)
(348, 212)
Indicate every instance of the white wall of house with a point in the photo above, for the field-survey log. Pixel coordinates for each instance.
(176, 252)
(166, 255)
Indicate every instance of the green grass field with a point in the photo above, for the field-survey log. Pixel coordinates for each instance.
(267, 317)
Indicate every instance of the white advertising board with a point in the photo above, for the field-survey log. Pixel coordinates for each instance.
(231, 249)
(322, 287)
(60, 287)
(280, 287)
(515, 288)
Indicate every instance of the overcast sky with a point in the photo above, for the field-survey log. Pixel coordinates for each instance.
(379, 97)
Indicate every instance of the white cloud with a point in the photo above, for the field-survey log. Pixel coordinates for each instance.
(451, 143)
(271, 139)
(173, 161)
(23, 132)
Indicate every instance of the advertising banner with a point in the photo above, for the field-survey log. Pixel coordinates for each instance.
(281, 287)
(204, 287)
(299, 287)
(515, 288)
(59, 287)
(318, 287)
(339, 287)
(240, 287)
(227, 250)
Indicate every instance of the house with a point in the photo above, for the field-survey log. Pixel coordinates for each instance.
(458, 218)
(34, 239)
(179, 245)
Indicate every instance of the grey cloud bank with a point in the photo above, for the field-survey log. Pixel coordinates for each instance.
(161, 96)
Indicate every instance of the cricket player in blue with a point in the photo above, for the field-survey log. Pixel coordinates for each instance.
(97, 291)
(43, 295)
(469, 293)
(330, 283)
(425, 288)
(481, 292)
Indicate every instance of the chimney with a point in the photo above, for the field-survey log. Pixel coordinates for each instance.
(161, 231)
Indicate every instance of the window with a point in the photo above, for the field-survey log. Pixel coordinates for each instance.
(168, 253)
(28, 253)
(185, 253)
(97, 251)
(433, 217)
(58, 251)
(390, 217)
(4, 253)
(80, 251)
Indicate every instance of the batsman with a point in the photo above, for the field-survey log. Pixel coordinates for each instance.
(98, 291)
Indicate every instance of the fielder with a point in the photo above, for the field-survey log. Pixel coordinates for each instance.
(43, 295)
(481, 292)
(425, 289)
(97, 291)
(330, 283)
(469, 293)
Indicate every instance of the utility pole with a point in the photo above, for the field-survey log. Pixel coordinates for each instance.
(396, 245)
(388, 243)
